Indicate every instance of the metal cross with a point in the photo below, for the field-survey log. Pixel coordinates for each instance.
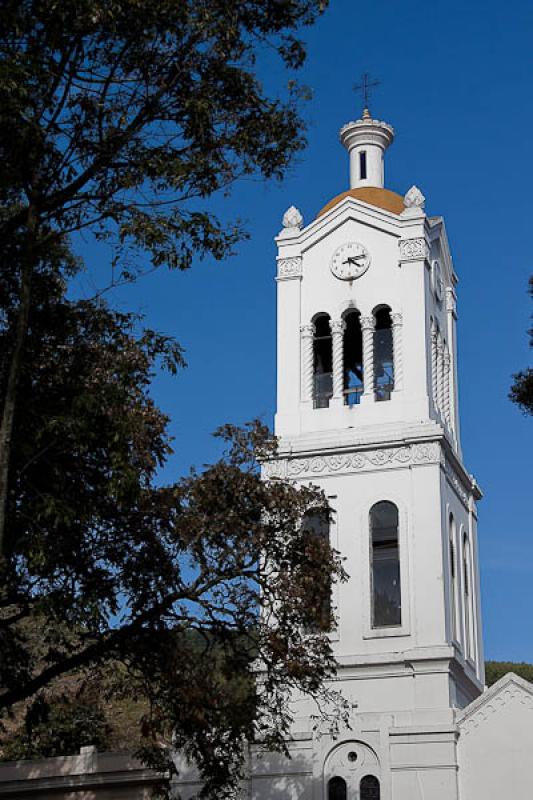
(367, 83)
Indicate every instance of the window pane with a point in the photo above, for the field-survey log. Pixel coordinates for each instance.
(386, 589)
(453, 581)
(316, 524)
(362, 165)
(369, 788)
(337, 789)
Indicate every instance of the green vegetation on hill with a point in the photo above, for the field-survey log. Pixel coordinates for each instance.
(497, 669)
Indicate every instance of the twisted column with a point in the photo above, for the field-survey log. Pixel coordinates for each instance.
(397, 352)
(446, 382)
(440, 374)
(337, 327)
(367, 328)
(434, 359)
(307, 332)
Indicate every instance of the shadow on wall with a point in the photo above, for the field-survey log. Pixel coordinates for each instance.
(272, 776)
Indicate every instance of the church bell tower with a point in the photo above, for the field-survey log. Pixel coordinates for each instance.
(367, 409)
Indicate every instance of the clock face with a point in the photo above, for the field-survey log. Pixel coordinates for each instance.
(438, 283)
(350, 260)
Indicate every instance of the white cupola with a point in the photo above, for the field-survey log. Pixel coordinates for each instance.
(366, 140)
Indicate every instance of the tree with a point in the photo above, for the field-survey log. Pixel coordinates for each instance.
(522, 389)
(121, 117)
(187, 589)
(58, 726)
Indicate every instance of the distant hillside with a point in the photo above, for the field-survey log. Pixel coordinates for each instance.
(497, 669)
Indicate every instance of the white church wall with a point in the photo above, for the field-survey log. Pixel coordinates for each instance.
(420, 557)
(496, 743)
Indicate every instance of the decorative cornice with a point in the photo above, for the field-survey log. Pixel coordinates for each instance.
(289, 268)
(366, 460)
(413, 249)
(346, 463)
(456, 483)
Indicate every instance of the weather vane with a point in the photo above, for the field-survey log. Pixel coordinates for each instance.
(367, 83)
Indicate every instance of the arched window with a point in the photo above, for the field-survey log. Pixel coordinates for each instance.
(383, 354)
(453, 576)
(467, 597)
(337, 788)
(353, 358)
(385, 565)
(369, 788)
(322, 362)
(316, 524)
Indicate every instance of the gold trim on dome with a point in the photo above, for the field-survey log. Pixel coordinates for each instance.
(373, 195)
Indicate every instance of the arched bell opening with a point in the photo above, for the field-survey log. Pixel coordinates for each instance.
(322, 362)
(383, 354)
(353, 358)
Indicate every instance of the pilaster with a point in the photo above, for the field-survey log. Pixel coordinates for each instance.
(368, 324)
(337, 334)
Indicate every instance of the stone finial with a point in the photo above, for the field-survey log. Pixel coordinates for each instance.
(292, 218)
(414, 203)
(414, 198)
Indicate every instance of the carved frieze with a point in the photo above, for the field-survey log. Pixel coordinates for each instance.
(413, 249)
(290, 267)
(361, 461)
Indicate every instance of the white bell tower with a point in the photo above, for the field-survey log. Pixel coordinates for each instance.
(367, 409)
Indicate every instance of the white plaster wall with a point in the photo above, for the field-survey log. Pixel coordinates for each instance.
(495, 748)
(416, 492)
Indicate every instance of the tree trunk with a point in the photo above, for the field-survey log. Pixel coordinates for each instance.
(10, 397)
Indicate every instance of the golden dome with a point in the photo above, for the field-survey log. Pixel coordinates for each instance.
(373, 195)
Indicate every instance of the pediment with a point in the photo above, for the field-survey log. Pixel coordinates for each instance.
(350, 210)
(509, 689)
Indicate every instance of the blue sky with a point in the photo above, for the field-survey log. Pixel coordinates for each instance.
(457, 87)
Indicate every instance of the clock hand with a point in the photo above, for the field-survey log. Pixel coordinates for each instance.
(353, 259)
